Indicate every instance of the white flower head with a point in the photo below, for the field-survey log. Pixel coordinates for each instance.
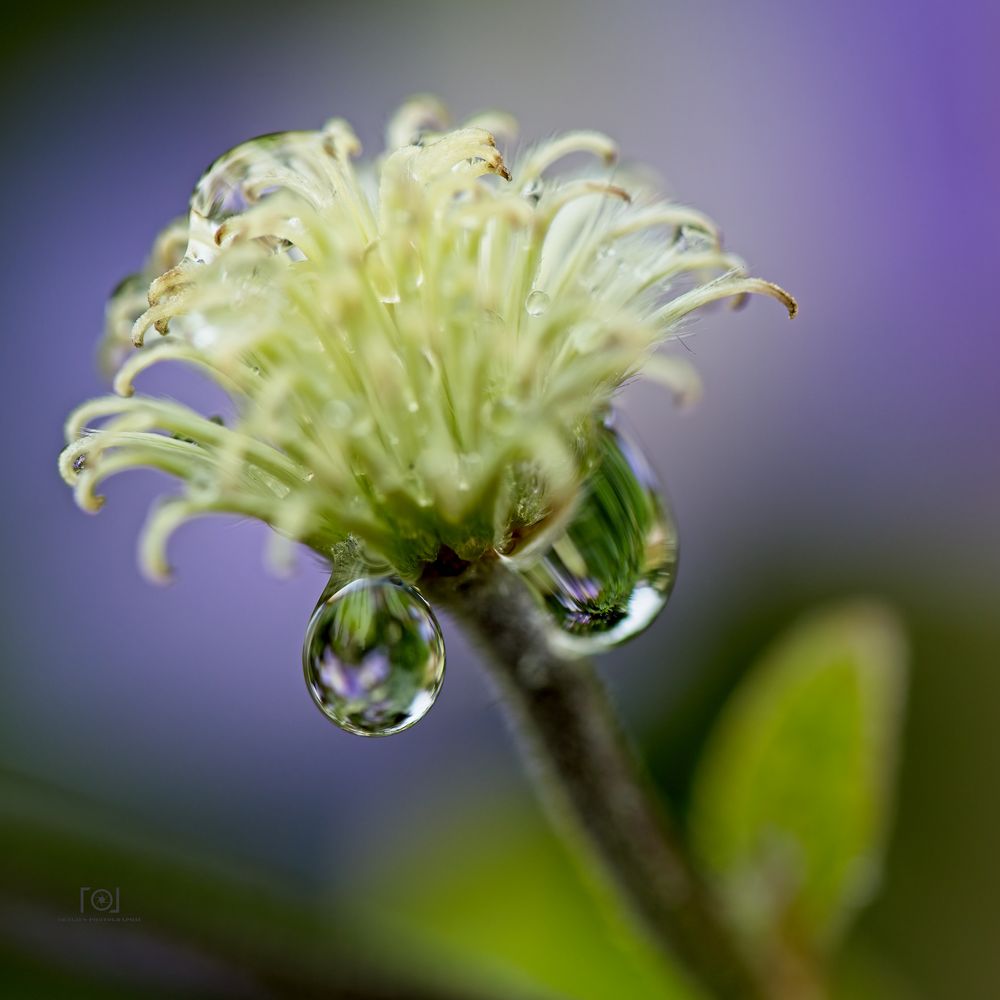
(418, 351)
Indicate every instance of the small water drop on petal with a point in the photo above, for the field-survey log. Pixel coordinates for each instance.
(374, 656)
(532, 191)
(202, 485)
(501, 412)
(692, 239)
(338, 414)
(536, 303)
(610, 573)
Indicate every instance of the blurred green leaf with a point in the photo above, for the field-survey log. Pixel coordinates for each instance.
(26, 977)
(497, 899)
(861, 974)
(792, 798)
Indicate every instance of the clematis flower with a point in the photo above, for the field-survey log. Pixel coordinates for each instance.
(419, 351)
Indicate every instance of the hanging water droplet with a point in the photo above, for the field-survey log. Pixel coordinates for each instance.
(536, 303)
(610, 572)
(374, 656)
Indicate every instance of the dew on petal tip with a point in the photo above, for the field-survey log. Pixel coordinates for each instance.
(374, 656)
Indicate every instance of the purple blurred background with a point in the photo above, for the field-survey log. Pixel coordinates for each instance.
(851, 151)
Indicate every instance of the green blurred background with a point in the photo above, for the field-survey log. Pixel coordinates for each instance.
(162, 742)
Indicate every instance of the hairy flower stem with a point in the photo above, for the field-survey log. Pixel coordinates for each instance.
(590, 780)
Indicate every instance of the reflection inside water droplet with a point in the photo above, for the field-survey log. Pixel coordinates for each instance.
(610, 573)
(536, 303)
(374, 656)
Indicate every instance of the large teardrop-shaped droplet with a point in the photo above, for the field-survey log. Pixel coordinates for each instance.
(611, 571)
(243, 176)
(374, 656)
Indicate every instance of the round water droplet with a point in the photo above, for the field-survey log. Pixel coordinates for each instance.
(610, 573)
(536, 303)
(374, 656)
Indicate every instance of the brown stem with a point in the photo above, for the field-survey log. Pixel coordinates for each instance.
(588, 777)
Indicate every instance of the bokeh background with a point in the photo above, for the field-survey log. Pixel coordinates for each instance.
(851, 151)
